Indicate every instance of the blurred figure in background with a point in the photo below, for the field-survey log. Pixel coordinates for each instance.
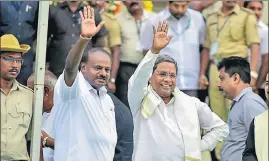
(20, 19)
(64, 30)
(131, 23)
(257, 7)
(49, 83)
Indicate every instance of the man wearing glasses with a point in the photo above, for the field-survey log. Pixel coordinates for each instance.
(167, 122)
(16, 101)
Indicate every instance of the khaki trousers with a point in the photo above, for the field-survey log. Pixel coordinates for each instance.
(218, 103)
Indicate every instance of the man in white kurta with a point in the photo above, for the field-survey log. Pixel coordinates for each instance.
(83, 121)
(168, 131)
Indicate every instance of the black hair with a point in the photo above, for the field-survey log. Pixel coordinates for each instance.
(247, 2)
(236, 65)
(85, 56)
(164, 58)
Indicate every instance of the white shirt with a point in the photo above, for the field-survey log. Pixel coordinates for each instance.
(47, 152)
(263, 34)
(84, 124)
(188, 33)
(159, 137)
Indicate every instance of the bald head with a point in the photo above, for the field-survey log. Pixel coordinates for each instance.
(49, 81)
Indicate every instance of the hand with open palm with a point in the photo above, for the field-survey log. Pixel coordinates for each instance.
(88, 27)
(160, 39)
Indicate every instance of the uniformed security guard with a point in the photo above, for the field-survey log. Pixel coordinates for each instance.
(16, 101)
(230, 32)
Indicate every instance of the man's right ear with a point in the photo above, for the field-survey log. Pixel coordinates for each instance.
(83, 67)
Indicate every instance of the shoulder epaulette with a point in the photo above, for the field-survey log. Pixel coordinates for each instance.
(247, 10)
(211, 14)
(25, 87)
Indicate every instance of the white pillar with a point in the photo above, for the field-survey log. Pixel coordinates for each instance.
(39, 78)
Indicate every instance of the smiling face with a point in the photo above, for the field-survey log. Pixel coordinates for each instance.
(11, 63)
(163, 79)
(97, 69)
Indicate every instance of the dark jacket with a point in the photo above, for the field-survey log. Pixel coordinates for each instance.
(249, 153)
(124, 125)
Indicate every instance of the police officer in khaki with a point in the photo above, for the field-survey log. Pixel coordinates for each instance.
(16, 101)
(230, 32)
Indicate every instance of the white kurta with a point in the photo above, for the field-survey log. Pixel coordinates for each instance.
(159, 138)
(47, 152)
(83, 122)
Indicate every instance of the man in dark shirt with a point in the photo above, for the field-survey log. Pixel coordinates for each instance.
(257, 141)
(125, 127)
(19, 18)
(64, 31)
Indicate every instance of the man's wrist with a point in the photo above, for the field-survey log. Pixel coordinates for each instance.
(155, 51)
(84, 37)
(44, 142)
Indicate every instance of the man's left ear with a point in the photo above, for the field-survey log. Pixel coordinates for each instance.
(46, 91)
(236, 78)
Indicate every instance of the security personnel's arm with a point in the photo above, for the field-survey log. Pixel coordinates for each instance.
(249, 153)
(263, 71)
(253, 40)
(203, 81)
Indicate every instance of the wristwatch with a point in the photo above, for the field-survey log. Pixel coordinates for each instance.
(112, 80)
(44, 142)
(254, 74)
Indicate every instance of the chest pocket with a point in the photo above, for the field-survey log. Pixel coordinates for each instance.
(237, 29)
(20, 115)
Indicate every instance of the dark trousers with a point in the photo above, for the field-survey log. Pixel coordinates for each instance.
(126, 70)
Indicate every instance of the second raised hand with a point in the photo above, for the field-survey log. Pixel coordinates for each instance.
(88, 27)
(160, 40)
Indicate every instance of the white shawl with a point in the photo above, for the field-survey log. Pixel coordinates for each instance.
(188, 121)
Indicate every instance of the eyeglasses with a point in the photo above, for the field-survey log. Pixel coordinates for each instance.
(165, 75)
(12, 60)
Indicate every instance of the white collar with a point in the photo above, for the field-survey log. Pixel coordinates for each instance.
(101, 90)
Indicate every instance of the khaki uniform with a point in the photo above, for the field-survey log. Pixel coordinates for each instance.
(113, 38)
(237, 31)
(16, 114)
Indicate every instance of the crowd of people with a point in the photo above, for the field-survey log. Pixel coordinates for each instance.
(123, 83)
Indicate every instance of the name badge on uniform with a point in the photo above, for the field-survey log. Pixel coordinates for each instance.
(214, 48)
(139, 46)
